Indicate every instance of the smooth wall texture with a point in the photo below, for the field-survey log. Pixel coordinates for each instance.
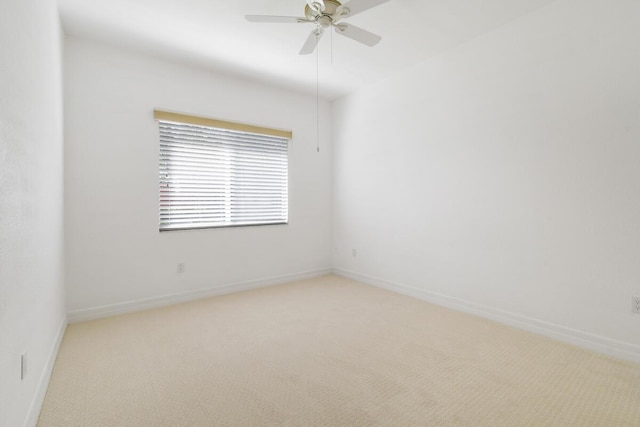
(32, 313)
(506, 173)
(115, 253)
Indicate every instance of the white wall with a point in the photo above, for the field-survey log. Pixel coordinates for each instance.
(32, 314)
(505, 175)
(115, 253)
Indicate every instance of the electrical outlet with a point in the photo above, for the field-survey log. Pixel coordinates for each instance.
(181, 267)
(354, 252)
(635, 307)
(23, 366)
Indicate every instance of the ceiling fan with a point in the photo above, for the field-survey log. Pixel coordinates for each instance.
(327, 14)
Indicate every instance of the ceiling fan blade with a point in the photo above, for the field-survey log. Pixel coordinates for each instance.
(276, 19)
(312, 41)
(356, 6)
(358, 34)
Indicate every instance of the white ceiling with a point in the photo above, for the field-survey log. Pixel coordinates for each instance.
(214, 33)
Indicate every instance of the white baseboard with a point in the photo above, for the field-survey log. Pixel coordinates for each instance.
(614, 348)
(43, 382)
(165, 300)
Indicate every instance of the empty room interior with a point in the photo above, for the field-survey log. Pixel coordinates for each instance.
(320, 213)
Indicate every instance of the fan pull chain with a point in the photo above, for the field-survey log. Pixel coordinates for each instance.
(331, 37)
(318, 95)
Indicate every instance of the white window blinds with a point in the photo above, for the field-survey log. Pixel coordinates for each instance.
(219, 177)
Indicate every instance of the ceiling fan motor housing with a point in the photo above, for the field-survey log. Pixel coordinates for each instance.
(325, 18)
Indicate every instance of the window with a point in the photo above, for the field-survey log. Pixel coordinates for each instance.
(220, 174)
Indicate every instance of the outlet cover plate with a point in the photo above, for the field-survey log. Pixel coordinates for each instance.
(635, 307)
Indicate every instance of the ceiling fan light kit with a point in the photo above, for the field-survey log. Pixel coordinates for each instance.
(328, 14)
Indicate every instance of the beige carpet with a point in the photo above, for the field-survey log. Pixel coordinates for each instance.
(328, 352)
